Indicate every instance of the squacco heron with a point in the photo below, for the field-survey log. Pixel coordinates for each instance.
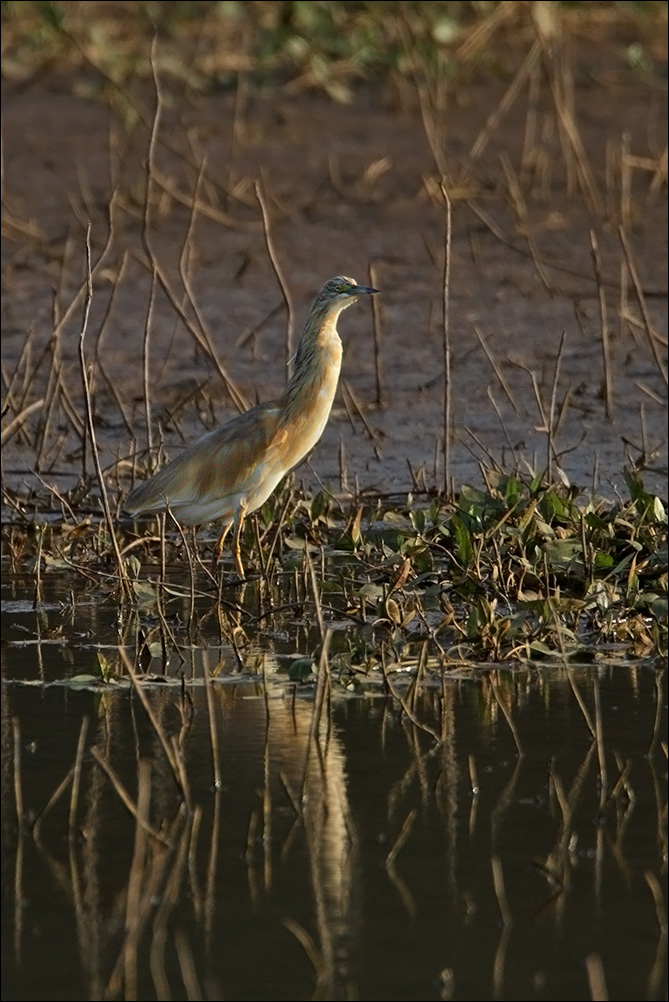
(234, 469)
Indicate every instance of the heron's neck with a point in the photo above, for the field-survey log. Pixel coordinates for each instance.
(317, 364)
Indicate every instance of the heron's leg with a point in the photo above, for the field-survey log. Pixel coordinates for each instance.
(239, 521)
(219, 548)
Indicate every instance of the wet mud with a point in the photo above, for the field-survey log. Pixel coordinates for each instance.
(557, 308)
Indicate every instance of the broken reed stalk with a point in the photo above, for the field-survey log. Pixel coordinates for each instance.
(17, 422)
(90, 424)
(601, 752)
(213, 729)
(512, 448)
(166, 745)
(72, 830)
(560, 81)
(136, 882)
(401, 839)
(97, 355)
(37, 598)
(316, 594)
(641, 300)
(191, 575)
(18, 787)
(596, 979)
(503, 382)
(276, 267)
(448, 394)
(500, 891)
(501, 702)
(527, 68)
(376, 335)
(604, 326)
(625, 182)
(145, 364)
(185, 259)
(552, 428)
(187, 966)
(323, 689)
(123, 795)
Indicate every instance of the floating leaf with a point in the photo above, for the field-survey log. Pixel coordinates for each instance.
(145, 592)
(301, 669)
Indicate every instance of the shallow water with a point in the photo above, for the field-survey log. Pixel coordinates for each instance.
(469, 839)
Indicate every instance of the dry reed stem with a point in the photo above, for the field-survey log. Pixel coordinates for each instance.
(157, 727)
(520, 208)
(157, 884)
(90, 423)
(513, 449)
(126, 799)
(446, 341)
(307, 944)
(401, 839)
(187, 967)
(498, 372)
(527, 68)
(258, 189)
(601, 750)
(315, 592)
(499, 963)
(197, 205)
(657, 721)
(18, 422)
(656, 891)
(376, 339)
(50, 804)
(18, 786)
(148, 324)
(641, 300)
(213, 728)
(267, 833)
(199, 332)
(553, 428)
(76, 780)
(350, 394)
(561, 86)
(170, 871)
(603, 326)
(191, 573)
(403, 703)
(596, 978)
(323, 688)
(502, 703)
(135, 880)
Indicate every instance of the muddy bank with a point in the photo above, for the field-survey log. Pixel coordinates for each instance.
(349, 189)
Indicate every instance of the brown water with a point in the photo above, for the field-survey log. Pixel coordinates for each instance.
(351, 850)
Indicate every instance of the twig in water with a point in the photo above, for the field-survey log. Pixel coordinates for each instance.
(596, 979)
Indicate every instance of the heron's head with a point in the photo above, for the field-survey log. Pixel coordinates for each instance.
(342, 291)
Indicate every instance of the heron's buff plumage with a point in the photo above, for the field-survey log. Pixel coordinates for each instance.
(234, 469)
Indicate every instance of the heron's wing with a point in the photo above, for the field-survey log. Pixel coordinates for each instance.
(206, 480)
